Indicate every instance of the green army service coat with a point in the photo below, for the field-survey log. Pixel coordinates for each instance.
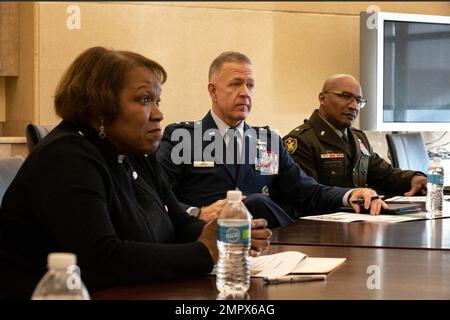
(325, 156)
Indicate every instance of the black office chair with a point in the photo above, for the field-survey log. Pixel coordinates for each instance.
(8, 169)
(35, 133)
(407, 151)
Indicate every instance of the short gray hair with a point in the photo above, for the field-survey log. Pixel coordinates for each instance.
(227, 56)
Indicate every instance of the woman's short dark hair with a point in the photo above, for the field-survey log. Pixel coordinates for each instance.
(91, 86)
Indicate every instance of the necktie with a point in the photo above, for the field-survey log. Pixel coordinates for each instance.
(347, 142)
(345, 138)
(232, 152)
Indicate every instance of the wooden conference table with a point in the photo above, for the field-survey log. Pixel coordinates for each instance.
(420, 234)
(411, 258)
(403, 274)
(417, 234)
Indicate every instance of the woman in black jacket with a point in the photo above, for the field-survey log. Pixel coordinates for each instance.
(93, 187)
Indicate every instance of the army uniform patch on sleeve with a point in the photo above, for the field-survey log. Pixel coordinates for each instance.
(291, 144)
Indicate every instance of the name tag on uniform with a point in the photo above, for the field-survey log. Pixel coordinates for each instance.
(267, 163)
(203, 164)
(363, 148)
(331, 155)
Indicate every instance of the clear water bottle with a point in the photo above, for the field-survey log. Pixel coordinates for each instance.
(435, 187)
(233, 242)
(62, 280)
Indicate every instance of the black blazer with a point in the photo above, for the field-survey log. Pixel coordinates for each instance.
(120, 219)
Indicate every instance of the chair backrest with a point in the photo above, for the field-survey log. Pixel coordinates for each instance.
(35, 133)
(8, 169)
(407, 151)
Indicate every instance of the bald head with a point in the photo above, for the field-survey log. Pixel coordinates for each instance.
(337, 104)
(335, 81)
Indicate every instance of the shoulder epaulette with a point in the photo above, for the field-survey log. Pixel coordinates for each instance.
(356, 129)
(302, 128)
(186, 124)
(260, 127)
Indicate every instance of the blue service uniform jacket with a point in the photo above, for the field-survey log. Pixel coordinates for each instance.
(202, 185)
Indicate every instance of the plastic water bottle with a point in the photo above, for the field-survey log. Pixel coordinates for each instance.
(233, 242)
(62, 280)
(435, 187)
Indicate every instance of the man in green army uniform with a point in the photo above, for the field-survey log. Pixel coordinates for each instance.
(328, 149)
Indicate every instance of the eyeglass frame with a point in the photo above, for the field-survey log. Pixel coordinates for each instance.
(341, 94)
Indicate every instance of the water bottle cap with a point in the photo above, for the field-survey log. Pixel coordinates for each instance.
(61, 260)
(234, 195)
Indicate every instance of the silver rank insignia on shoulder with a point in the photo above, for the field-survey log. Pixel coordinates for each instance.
(322, 133)
(135, 175)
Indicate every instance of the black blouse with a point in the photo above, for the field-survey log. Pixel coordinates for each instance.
(75, 193)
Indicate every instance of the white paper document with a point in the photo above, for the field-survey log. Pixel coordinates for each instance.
(291, 262)
(350, 217)
(417, 199)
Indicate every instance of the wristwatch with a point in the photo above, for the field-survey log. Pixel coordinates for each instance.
(195, 212)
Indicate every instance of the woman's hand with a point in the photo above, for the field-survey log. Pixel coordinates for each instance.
(209, 238)
(260, 239)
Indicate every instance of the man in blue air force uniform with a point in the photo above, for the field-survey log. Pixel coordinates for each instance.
(222, 152)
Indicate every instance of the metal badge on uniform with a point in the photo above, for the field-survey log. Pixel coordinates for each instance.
(261, 145)
(330, 155)
(258, 141)
(291, 144)
(267, 163)
(265, 191)
(203, 164)
(363, 148)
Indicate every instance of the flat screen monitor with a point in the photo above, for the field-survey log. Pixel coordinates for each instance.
(405, 72)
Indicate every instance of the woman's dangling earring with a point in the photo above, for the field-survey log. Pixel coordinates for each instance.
(102, 133)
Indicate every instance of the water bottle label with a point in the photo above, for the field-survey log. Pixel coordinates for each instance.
(238, 234)
(436, 179)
